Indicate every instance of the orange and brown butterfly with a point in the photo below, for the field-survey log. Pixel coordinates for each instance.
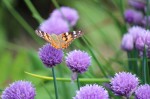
(60, 41)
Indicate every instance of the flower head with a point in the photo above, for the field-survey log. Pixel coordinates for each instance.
(69, 13)
(54, 25)
(78, 61)
(19, 90)
(124, 83)
(92, 92)
(127, 42)
(50, 56)
(143, 92)
(142, 41)
(133, 16)
(136, 31)
(138, 4)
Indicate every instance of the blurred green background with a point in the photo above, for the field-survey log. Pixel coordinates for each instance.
(101, 21)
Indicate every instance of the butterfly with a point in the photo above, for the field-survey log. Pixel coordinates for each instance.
(61, 41)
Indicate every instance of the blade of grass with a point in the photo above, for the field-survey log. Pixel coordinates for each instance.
(21, 20)
(87, 80)
(147, 14)
(55, 84)
(34, 12)
(99, 64)
(144, 67)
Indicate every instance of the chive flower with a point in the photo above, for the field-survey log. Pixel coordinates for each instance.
(137, 4)
(78, 62)
(19, 90)
(50, 56)
(54, 26)
(124, 84)
(127, 42)
(136, 31)
(143, 41)
(91, 92)
(133, 17)
(67, 14)
(143, 92)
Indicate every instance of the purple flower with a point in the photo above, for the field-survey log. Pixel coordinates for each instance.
(142, 41)
(19, 90)
(54, 25)
(136, 31)
(138, 4)
(66, 13)
(127, 42)
(92, 92)
(124, 84)
(133, 16)
(147, 40)
(78, 61)
(50, 56)
(143, 92)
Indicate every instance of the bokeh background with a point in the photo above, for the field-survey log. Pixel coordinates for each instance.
(103, 25)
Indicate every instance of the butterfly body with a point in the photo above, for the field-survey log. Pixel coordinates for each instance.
(60, 41)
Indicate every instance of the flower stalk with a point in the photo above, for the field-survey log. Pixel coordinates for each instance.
(78, 83)
(144, 66)
(87, 80)
(55, 84)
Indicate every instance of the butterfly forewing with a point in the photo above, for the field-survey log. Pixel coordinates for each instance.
(68, 37)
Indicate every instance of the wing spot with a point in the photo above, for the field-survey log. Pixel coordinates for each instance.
(67, 33)
(74, 32)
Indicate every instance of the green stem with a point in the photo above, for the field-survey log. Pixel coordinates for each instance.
(121, 7)
(129, 62)
(136, 69)
(122, 14)
(35, 13)
(20, 20)
(144, 65)
(78, 83)
(55, 85)
(127, 97)
(147, 14)
(1, 90)
(55, 4)
(99, 64)
(87, 80)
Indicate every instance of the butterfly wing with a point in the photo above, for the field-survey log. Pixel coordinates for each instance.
(68, 37)
(51, 38)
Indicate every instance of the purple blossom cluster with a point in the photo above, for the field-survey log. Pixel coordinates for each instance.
(122, 84)
(92, 92)
(125, 84)
(137, 37)
(137, 14)
(59, 20)
(19, 90)
(143, 92)
(50, 56)
(78, 62)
